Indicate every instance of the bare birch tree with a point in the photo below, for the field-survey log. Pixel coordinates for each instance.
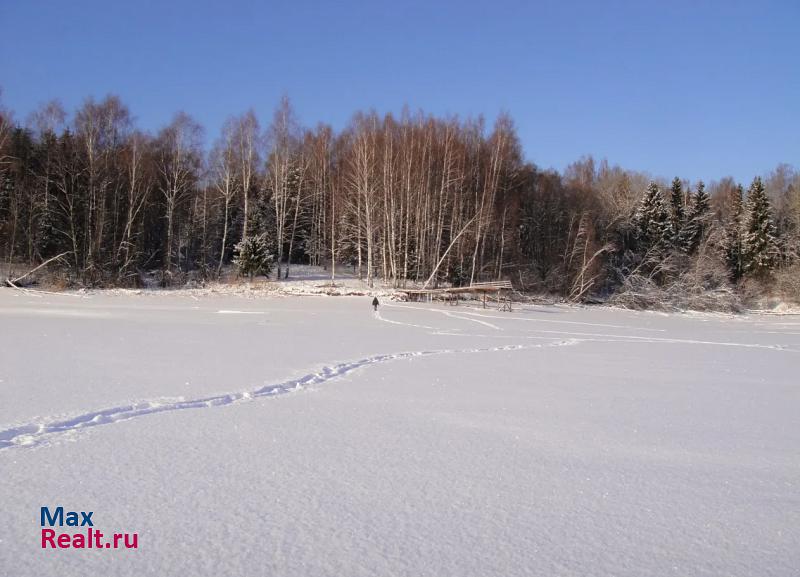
(178, 164)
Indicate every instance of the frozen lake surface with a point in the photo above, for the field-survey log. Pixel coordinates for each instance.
(307, 436)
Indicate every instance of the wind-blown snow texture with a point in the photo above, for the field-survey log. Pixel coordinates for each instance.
(308, 436)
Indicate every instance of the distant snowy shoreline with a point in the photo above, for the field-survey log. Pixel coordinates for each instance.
(355, 288)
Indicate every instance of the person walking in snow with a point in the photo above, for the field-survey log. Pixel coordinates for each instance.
(375, 304)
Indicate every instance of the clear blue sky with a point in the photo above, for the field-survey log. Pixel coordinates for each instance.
(697, 88)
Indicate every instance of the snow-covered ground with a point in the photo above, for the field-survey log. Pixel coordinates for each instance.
(307, 436)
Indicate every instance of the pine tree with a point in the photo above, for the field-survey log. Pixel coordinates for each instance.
(696, 221)
(651, 221)
(759, 235)
(676, 204)
(732, 241)
(252, 256)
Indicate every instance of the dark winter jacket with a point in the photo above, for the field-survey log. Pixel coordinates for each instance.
(375, 302)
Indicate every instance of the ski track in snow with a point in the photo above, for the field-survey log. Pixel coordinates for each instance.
(452, 315)
(582, 336)
(446, 313)
(233, 312)
(36, 434)
(562, 322)
(393, 322)
(484, 323)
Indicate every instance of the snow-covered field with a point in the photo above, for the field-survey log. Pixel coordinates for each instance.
(307, 436)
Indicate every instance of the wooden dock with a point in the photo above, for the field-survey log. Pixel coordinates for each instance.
(451, 294)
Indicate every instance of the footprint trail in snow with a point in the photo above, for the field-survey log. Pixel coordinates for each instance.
(36, 434)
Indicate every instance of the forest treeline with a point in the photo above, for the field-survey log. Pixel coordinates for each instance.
(398, 198)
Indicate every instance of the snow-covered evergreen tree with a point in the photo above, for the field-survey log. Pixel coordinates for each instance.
(252, 256)
(696, 221)
(652, 221)
(676, 205)
(732, 240)
(759, 236)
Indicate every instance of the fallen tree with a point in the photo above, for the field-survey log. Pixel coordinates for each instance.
(14, 283)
